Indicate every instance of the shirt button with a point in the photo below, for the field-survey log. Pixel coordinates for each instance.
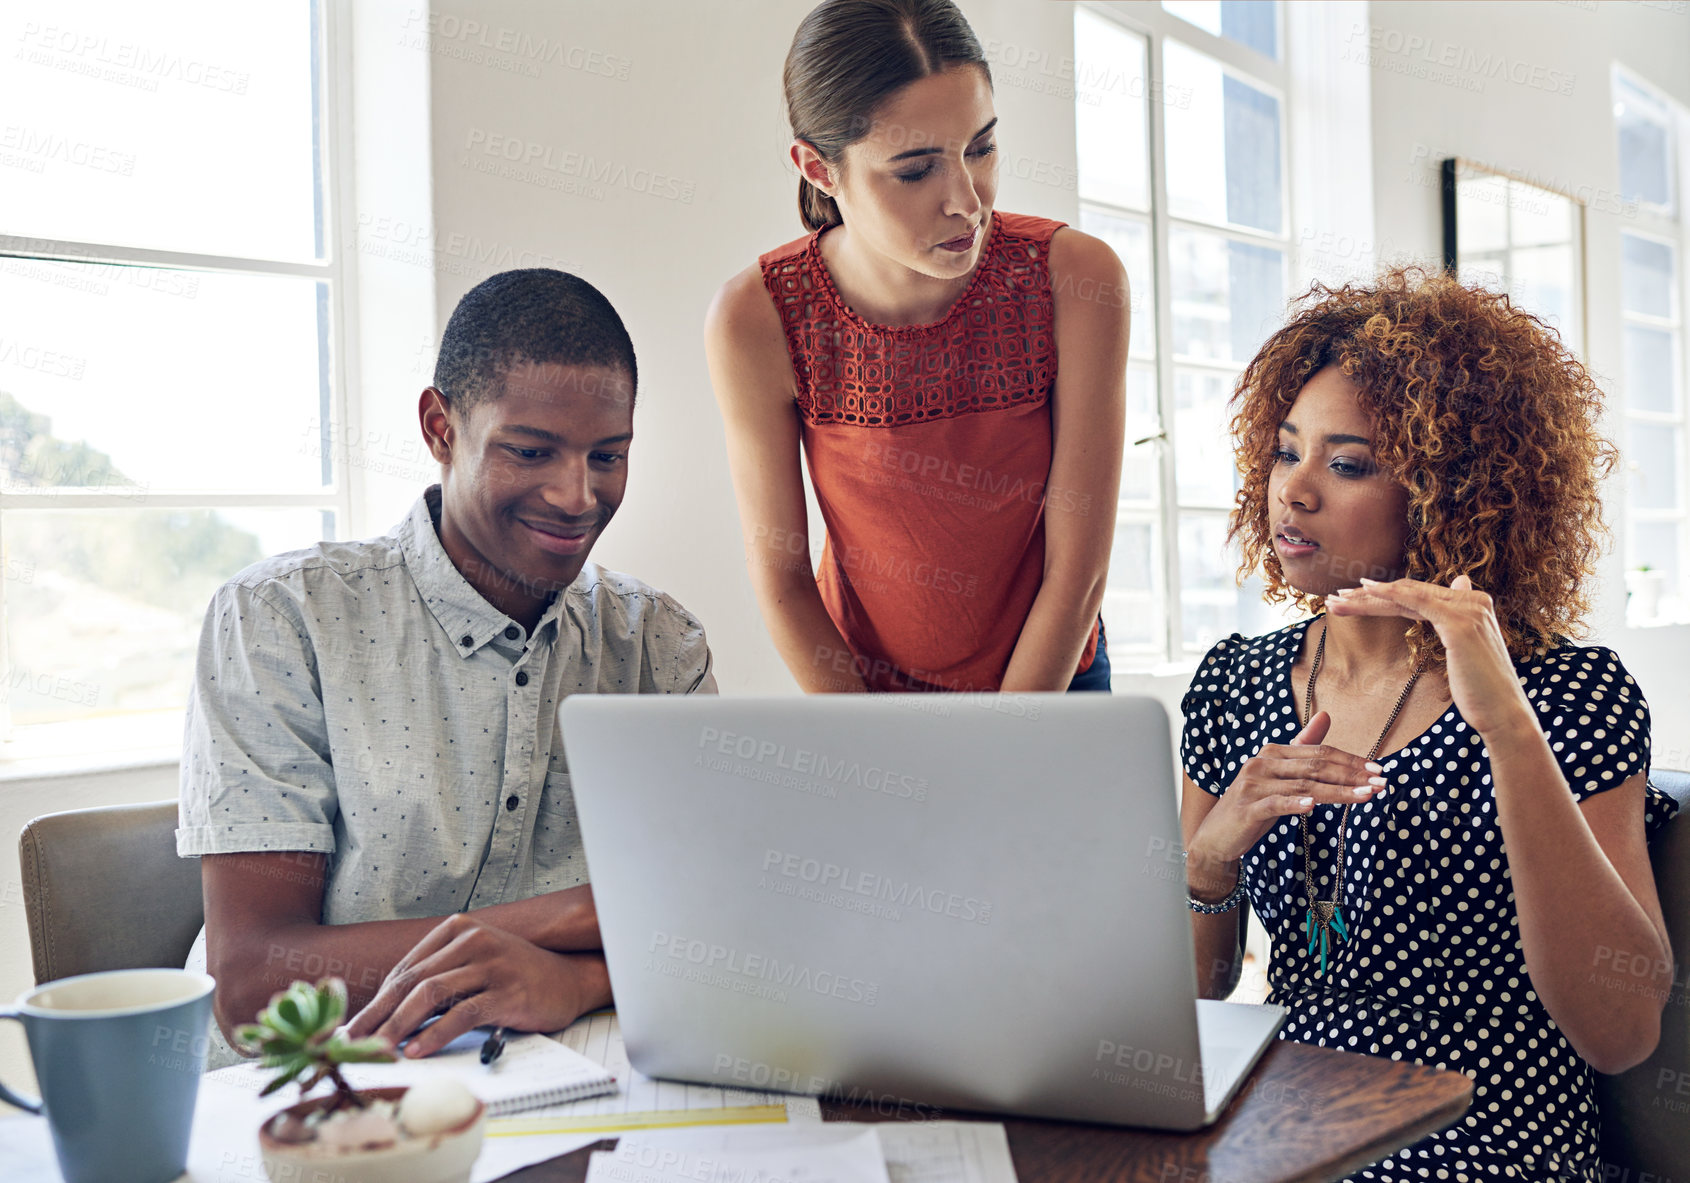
(512, 633)
(511, 802)
(467, 641)
(521, 677)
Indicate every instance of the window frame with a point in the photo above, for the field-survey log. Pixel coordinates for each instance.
(337, 333)
(1665, 224)
(1157, 26)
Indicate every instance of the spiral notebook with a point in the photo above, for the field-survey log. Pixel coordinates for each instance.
(534, 1071)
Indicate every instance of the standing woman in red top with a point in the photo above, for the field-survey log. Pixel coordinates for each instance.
(954, 374)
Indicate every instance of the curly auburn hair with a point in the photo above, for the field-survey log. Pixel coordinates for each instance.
(1479, 411)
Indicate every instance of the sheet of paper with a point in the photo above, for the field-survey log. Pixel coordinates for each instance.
(946, 1152)
(26, 1151)
(914, 1151)
(807, 1157)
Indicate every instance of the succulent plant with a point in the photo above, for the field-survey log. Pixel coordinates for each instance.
(296, 1035)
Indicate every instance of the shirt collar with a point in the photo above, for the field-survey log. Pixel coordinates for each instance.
(468, 620)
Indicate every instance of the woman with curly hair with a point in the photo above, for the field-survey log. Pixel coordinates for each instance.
(1436, 803)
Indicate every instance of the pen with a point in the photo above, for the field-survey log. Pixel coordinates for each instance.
(495, 1044)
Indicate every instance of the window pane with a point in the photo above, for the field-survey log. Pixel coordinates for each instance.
(1129, 238)
(1645, 136)
(1203, 462)
(1537, 217)
(1223, 145)
(1212, 605)
(1205, 566)
(1132, 561)
(1519, 239)
(1655, 545)
(103, 607)
(1208, 595)
(1256, 616)
(1140, 475)
(1227, 295)
(1651, 377)
(1253, 23)
(1481, 215)
(1652, 459)
(1109, 112)
(1131, 610)
(1646, 276)
(1545, 284)
(184, 126)
(161, 379)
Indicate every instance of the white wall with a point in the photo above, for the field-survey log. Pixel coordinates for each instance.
(1424, 111)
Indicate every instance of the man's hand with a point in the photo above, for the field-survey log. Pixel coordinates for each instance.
(471, 974)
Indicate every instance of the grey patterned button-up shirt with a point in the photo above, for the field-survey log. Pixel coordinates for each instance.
(362, 700)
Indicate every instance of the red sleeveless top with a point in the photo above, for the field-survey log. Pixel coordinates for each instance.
(929, 447)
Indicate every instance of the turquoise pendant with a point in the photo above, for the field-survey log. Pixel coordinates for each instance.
(1321, 922)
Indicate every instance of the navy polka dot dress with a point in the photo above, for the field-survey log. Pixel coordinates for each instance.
(1433, 971)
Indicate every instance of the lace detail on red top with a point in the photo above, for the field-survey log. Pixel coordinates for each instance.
(995, 348)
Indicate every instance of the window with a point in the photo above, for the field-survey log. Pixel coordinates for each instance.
(1653, 437)
(170, 358)
(1182, 169)
(1524, 239)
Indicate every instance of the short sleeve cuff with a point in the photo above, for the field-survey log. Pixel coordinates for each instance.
(1203, 735)
(243, 839)
(1594, 716)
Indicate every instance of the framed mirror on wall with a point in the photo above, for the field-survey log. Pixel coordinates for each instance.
(1517, 237)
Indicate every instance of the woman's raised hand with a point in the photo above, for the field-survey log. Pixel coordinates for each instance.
(1282, 780)
(1482, 681)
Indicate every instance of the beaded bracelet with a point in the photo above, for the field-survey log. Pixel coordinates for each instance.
(1226, 905)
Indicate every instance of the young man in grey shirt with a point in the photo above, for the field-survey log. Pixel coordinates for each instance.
(372, 775)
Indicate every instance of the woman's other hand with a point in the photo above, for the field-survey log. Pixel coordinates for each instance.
(1282, 780)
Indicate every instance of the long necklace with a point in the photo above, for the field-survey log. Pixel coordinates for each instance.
(1324, 922)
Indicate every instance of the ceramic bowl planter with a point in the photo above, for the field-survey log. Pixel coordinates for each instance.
(442, 1157)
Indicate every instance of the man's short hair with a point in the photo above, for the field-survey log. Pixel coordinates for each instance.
(537, 315)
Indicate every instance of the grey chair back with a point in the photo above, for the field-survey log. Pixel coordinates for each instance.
(104, 889)
(1646, 1111)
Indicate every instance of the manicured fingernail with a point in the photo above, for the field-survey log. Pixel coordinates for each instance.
(1365, 579)
(1363, 790)
(1376, 780)
(1305, 802)
(1372, 767)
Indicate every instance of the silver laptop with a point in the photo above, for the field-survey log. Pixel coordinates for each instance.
(936, 901)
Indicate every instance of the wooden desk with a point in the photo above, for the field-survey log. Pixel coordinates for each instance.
(1306, 1114)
